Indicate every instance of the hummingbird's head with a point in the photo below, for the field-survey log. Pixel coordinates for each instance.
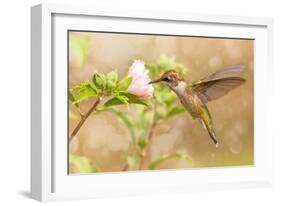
(170, 78)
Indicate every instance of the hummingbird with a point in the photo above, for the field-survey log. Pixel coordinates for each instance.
(194, 96)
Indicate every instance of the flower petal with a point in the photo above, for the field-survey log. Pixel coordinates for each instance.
(139, 85)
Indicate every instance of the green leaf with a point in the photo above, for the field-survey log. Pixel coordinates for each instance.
(123, 99)
(164, 95)
(132, 160)
(124, 84)
(142, 140)
(82, 164)
(72, 99)
(161, 111)
(93, 86)
(99, 80)
(84, 91)
(175, 111)
(164, 158)
(139, 116)
(112, 102)
(130, 99)
(123, 117)
(71, 96)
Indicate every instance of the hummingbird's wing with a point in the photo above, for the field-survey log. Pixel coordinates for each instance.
(230, 71)
(219, 83)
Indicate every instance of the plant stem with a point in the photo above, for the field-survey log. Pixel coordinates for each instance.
(149, 136)
(126, 167)
(84, 118)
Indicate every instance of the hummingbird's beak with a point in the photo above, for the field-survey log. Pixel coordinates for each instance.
(155, 81)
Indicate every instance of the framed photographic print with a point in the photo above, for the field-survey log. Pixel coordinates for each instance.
(134, 102)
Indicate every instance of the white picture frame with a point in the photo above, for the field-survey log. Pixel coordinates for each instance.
(49, 179)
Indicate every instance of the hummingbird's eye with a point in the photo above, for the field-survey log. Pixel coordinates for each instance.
(166, 79)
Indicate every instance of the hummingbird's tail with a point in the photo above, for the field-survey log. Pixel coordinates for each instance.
(211, 132)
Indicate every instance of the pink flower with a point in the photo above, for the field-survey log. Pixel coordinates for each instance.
(139, 85)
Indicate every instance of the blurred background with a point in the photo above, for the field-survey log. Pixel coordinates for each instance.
(103, 138)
